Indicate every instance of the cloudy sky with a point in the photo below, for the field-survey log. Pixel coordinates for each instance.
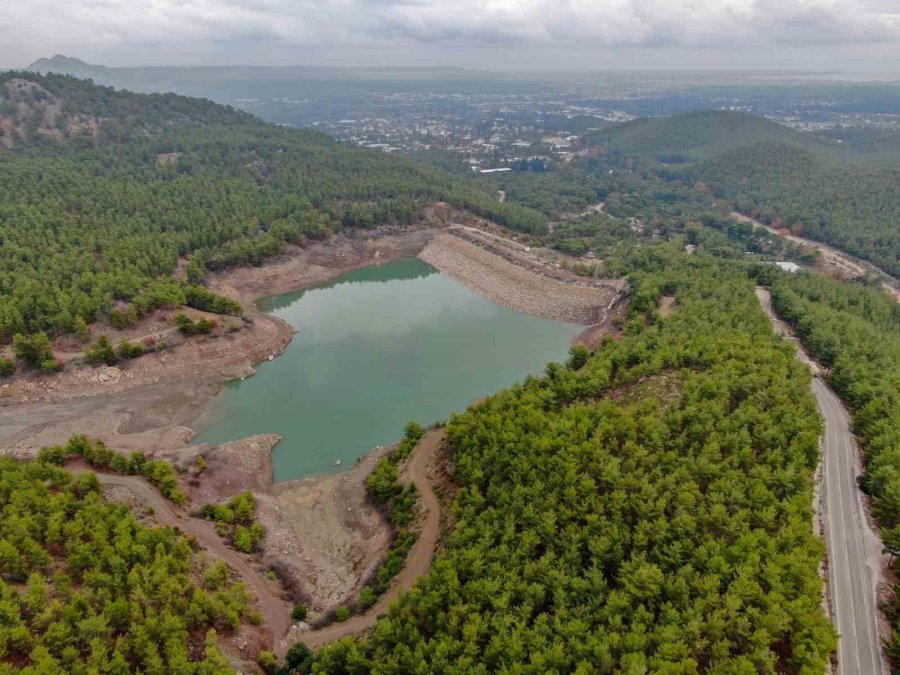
(853, 35)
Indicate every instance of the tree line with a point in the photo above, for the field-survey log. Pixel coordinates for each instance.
(86, 226)
(854, 331)
(85, 587)
(644, 509)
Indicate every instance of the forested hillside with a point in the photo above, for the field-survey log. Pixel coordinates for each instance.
(812, 185)
(645, 510)
(697, 135)
(86, 588)
(855, 332)
(104, 192)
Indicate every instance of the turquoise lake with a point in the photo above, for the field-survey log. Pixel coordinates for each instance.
(374, 349)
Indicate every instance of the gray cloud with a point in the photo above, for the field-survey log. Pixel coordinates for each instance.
(141, 28)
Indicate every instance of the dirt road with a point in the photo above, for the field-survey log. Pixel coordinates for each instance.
(418, 562)
(845, 263)
(274, 610)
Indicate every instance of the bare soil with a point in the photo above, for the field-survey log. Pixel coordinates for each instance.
(515, 285)
(421, 470)
(344, 535)
(666, 306)
(324, 538)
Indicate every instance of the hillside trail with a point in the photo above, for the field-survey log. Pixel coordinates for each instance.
(418, 561)
(65, 357)
(274, 610)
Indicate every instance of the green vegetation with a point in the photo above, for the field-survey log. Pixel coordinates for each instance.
(35, 350)
(854, 331)
(601, 532)
(235, 521)
(697, 135)
(299, 612)
(811, 185)
(299, 659)
(188, 326)
(131, 350)
(7, 367)
(401, 501)
(88, 219)
(101, 352)
(86, 588)
(203, 299)
(159, 472)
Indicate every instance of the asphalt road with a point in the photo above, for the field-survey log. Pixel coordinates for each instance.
(854, 549)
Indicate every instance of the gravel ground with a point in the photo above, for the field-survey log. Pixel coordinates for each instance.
(513, 286)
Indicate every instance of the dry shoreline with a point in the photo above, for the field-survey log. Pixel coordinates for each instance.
(324, 538)
(152, 403)
(512, 285)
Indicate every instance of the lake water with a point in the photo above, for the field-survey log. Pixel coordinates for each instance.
(375, 348)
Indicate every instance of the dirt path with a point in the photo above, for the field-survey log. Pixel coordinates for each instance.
(65, 357)
(418, 562)
(275, 611)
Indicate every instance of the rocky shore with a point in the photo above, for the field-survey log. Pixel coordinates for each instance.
(512, 285)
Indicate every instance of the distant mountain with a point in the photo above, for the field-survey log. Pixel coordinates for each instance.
(325, 88)
(65, 65)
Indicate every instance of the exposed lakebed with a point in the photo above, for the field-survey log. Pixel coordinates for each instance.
(375, 348)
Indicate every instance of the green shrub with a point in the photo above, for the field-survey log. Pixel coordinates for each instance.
(267, 662)
(51, 365)
(341, 614)
(235, 521)
(299, 612)
(158, 472)
(33, 350)
(243, 540)
(299, 659)
(7, 367)
(367, 597)
(382, 483)
(578, 356)
(130, 350)
(200, 298)
(120, 320)
(188, 326)
(101, 352)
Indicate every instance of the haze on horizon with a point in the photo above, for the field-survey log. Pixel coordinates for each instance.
(850, 36)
